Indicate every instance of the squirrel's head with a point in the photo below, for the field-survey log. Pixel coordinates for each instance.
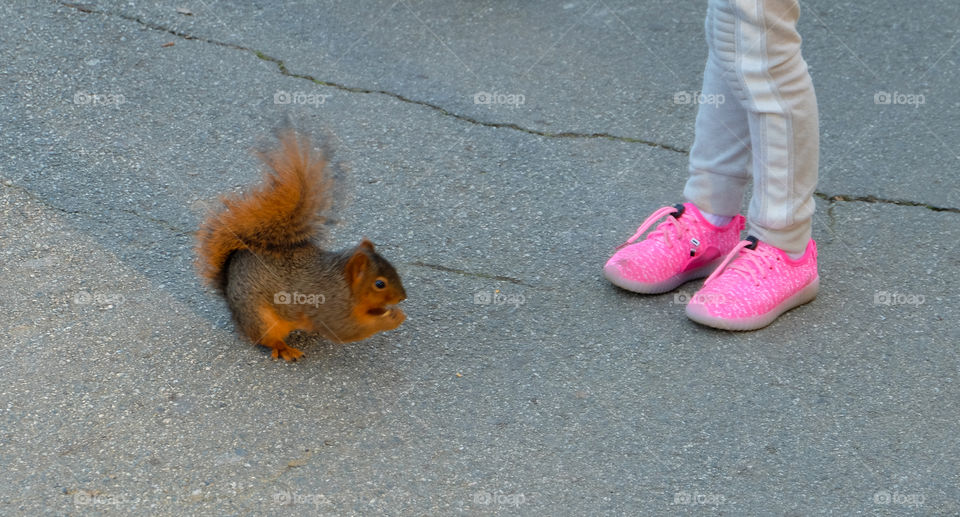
(374, 282)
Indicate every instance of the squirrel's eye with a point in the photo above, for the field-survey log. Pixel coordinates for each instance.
(380, 284)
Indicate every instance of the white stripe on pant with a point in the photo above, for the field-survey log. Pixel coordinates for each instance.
(767, 124)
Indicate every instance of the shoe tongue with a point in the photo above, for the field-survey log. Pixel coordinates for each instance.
(753, 260)
(664, 225)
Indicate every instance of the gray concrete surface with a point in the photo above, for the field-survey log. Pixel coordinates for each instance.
(124, 389)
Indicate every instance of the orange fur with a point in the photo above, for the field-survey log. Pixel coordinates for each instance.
(280, 222)
(275, 331)
(282, 213)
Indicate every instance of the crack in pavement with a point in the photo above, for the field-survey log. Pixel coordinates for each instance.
(282, 68)
(873, 199)
(179, 232)
(464, 272)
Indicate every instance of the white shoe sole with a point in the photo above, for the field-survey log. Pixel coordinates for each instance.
(613, 275)
(698, 312)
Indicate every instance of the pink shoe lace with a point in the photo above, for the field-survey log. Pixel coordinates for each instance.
(671, 223)
(752, 266)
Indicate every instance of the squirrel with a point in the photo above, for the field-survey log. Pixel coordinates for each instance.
(261, 252)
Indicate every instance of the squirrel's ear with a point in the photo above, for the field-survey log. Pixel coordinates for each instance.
(365, 243)
(356, 266)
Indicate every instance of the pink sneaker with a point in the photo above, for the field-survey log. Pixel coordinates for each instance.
(683, 247)
(755, 284)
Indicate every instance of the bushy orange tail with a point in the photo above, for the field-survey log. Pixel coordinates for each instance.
(282, 213)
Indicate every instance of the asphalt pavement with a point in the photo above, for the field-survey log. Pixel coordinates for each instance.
(495, 152)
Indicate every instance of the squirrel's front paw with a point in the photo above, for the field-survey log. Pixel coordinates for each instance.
(394, 318)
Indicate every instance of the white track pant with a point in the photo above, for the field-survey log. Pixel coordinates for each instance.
(766, 125)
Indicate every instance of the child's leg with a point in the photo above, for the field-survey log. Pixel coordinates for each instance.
(782, 113)
(720, 157)
(695, 236)
(757, 47)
